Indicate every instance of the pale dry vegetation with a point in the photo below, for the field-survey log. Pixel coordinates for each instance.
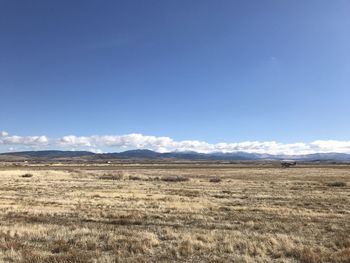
(194, 214)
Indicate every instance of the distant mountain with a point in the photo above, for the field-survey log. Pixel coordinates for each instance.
(177, 155)
(137, 154)
(322, 157)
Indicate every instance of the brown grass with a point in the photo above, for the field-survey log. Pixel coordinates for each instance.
(256, 214)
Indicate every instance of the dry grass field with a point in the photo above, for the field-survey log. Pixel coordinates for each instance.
(175, 214)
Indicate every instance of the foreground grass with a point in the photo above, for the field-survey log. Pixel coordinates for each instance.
(175, 215)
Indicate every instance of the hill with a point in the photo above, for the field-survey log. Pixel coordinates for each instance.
(153, 155)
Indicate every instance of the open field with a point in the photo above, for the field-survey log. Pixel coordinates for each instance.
(188, 213)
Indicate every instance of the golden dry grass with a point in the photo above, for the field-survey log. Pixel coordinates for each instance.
(246, 214)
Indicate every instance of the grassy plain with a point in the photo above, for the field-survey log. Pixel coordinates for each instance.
(191, 213)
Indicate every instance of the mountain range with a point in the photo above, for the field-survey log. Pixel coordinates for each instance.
(153, 155)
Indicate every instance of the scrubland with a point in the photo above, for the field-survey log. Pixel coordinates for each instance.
(184, 214)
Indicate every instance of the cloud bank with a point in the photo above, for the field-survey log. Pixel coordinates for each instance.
(108, 143)
(6, 139)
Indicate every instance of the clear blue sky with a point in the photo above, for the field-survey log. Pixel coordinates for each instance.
(207, 70)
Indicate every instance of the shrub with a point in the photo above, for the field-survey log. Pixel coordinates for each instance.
(134, 178)
(27, 175)
(174, 179)
(60, 246)
(215, 180)
(337, 184)
(307, 255)
(117, 176)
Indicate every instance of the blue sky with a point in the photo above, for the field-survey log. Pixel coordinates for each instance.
(213, 71)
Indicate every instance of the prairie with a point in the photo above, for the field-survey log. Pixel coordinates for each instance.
(175, 213)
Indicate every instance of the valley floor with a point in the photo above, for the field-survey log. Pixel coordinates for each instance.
(184, 214)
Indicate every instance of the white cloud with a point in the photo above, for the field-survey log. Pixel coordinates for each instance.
(3, 134)
(165, 144)
(6, 139)
(72, 140)
(133, 140)
(331, 146)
